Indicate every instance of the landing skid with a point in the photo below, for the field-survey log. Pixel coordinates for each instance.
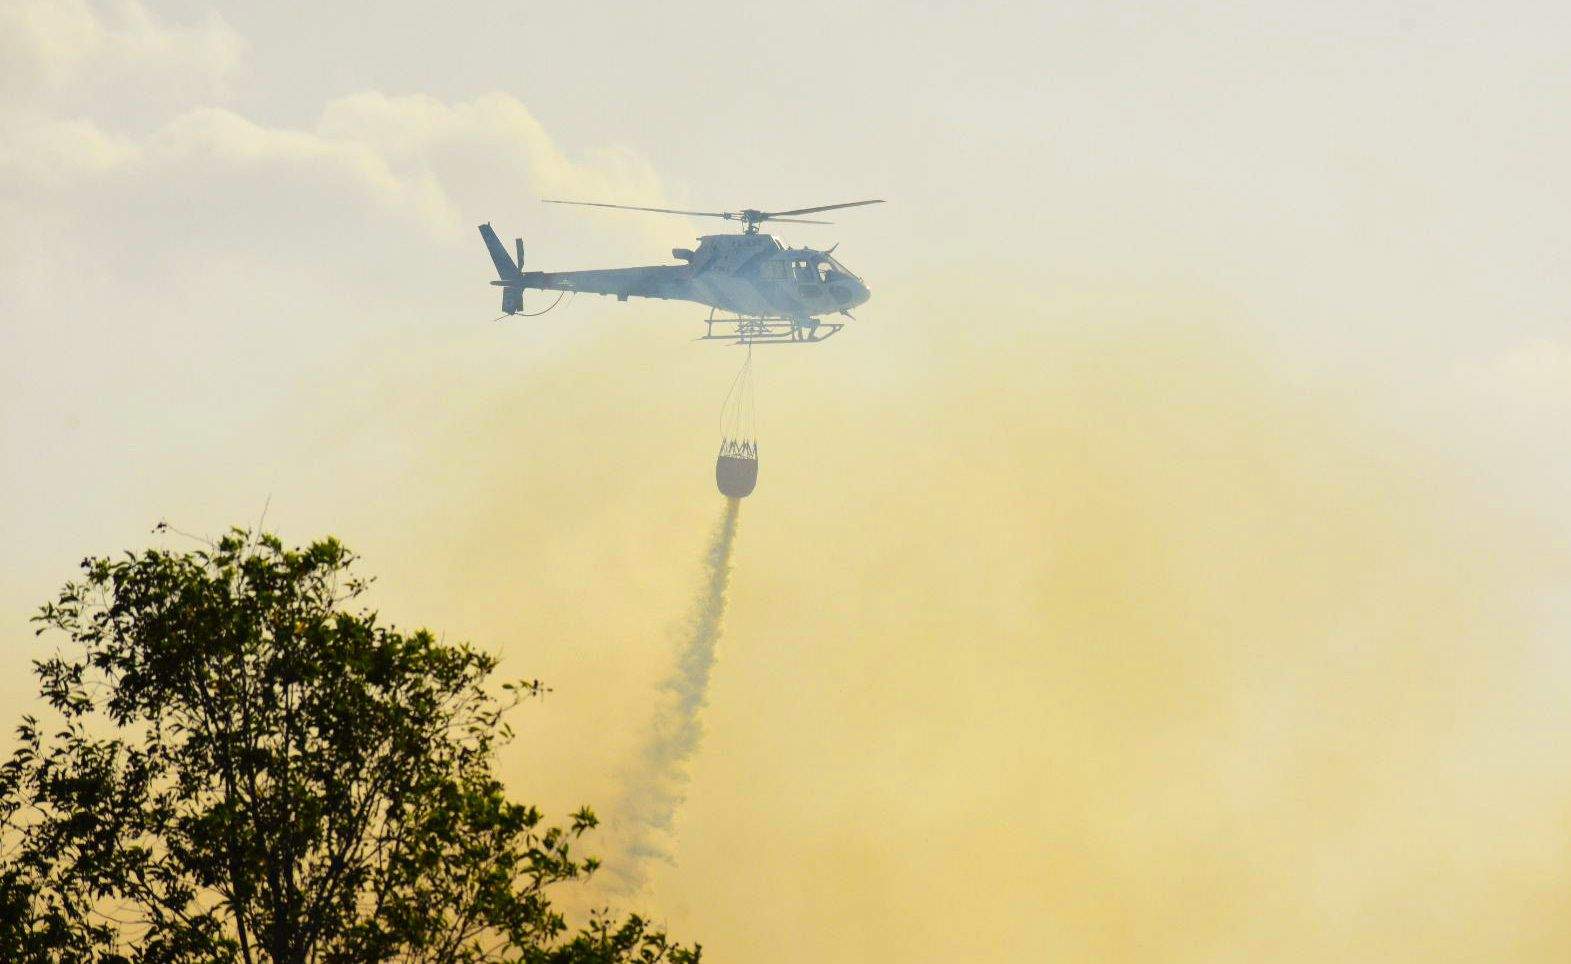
(768, 330)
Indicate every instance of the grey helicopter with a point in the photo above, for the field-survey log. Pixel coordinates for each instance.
(772, 292)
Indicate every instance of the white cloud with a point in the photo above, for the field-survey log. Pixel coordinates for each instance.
(95, 96)
(413, 156)
(54, 153)
(122, 240)
(491, 134)
(213, 140)
(68, 50)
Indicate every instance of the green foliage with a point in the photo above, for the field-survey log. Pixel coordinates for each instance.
(248, 769)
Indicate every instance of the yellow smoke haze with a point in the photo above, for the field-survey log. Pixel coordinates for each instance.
(1093, 629)
(1081, 614)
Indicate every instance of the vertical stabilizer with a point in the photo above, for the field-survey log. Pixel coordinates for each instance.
(505, 268)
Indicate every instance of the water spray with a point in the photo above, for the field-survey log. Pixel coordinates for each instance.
(655, 784)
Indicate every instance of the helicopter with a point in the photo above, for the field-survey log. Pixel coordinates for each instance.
(773, 292)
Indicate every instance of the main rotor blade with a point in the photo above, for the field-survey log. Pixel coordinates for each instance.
(795, 220)
(775, 215)
(628, 207)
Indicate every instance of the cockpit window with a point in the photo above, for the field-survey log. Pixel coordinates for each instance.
(840, 268)
(823, 271)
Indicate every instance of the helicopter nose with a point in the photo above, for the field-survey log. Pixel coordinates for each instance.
(860, 294)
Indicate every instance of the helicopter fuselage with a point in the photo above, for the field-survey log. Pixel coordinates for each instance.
(751, 275)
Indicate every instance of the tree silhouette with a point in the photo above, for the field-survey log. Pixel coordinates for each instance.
(248, 768)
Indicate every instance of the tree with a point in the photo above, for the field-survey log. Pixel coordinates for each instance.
(250, 769)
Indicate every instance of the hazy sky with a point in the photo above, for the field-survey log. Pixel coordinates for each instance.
(1169, 564)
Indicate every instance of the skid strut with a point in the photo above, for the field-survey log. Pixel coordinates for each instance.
(767, 330)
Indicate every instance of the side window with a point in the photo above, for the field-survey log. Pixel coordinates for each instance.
(823, 271)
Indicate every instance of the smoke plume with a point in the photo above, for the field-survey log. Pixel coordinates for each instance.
(1190, 648)
(655, 783)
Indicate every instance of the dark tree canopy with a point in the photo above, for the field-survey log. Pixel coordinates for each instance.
(248, 768)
